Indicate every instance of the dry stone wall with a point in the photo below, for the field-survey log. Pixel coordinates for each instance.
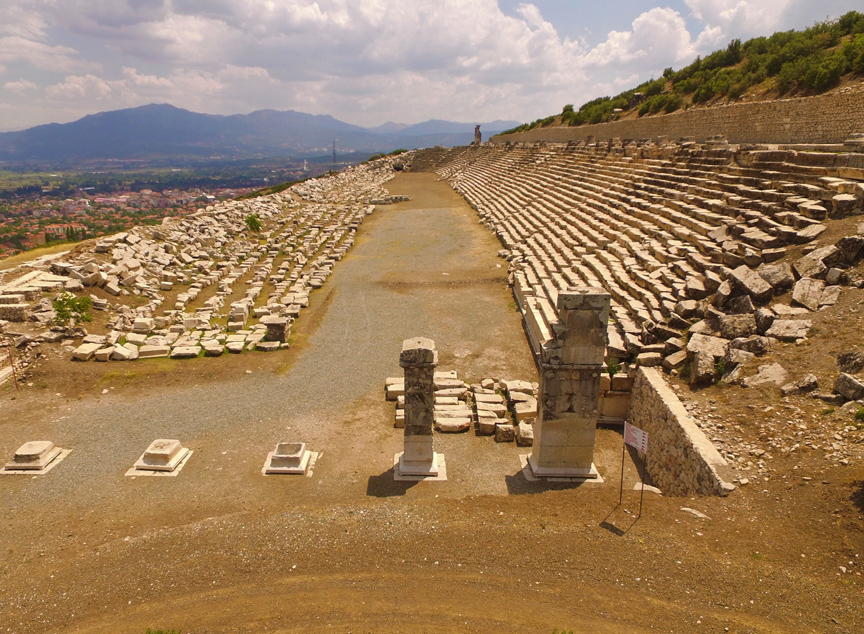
(830, 118)
(680, 459)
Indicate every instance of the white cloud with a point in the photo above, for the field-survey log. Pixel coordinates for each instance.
(364, 61)
(20, 86)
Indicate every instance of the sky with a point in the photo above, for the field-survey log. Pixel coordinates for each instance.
(363, 61)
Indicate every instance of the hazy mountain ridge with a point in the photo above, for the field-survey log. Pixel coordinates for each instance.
(162, 130)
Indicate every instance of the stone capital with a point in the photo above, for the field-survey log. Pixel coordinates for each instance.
(418, 351)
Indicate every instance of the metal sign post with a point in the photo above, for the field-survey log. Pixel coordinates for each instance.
(637, 439)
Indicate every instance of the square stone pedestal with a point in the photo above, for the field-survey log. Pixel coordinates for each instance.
(288, 458)
(534, 473)
(35, 458)
(408, 470)
(162, 457)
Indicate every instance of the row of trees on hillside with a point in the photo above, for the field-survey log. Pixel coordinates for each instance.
(811, 61)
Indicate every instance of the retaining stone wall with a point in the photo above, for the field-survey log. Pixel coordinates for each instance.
(830, 118)
(680, 459)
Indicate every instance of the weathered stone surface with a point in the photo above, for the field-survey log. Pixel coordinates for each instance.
(505, 432)
(772, 373)
(715, 346)
(675, 360)
(150, 352)
(849, 387)
(851, 247)
(681, 460)
(808, 293)
(789, 329)
(764, 318)
(810, 266)
(702, 368)
(806, 384)
(830, 296)
(649, 359)
(851, 361)
(734, 326)
(752, 284)
(741, 305)
(524, 434)
(779, 275)
(185, 352)
(754, 344)
(85, 351)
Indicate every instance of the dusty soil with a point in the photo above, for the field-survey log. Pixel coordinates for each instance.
(222, 549)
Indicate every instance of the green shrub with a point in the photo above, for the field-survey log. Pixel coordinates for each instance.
(613, 367)
(71, 310)
(253, 223)
(859, 415)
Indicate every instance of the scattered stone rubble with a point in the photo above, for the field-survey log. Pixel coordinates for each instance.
(504, 409)
(204, 284)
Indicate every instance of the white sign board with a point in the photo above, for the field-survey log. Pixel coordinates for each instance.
(635, 437)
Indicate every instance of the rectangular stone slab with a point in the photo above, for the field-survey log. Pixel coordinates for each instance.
(36, 454)
(162, 455)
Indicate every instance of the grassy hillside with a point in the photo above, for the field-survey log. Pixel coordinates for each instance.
(787, 63)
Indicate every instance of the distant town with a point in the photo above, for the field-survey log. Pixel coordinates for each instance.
(35, 219)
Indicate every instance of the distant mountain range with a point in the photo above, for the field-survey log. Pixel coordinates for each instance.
(164, 131)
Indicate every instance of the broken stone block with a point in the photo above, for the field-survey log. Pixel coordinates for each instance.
(702, 367)
(525, 409)
(734, 326)
(849, 387)
(104, 354)
(789, 329)
(715, 346)
(810, 266)
(143, 325)
(779, 275)
(268, 346)
(35, 455)
(851, 361)
(162, 455)
(235, 347)
(808, 293)
(754, 344)
(829, 296)
(806, 384)
(752, 284)
(741, 305)
(185, 352)
(674, 360)
(524, 434)
(291, 458)
(505, 432)
(85, 351)
(764, 318)
(649, 359)
(151, 352)
(772, 373)
(452, 425)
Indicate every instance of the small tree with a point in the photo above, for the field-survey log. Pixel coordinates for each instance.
(253, 223)
(70, 310)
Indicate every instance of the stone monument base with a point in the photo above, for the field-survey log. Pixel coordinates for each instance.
(288, 458)
(561, 474)
(36, 457)
(436, 471)
(163, 457)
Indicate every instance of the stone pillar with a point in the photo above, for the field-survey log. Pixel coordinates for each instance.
(419, 359)
(571, 365)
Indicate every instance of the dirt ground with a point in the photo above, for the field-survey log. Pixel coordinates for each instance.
(220, 548)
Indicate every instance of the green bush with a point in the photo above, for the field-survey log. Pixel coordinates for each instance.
(253, 223)
(859, 415)
(69, 309)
